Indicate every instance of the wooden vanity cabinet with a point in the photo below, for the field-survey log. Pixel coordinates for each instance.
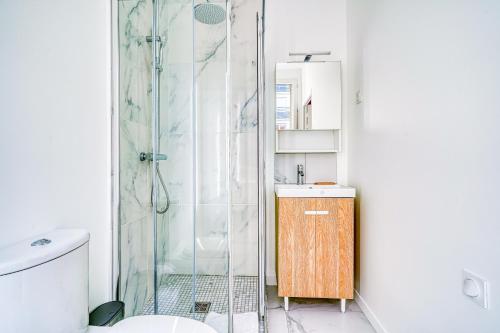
(315, 247)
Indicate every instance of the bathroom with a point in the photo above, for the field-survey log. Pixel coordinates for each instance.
(249, 166)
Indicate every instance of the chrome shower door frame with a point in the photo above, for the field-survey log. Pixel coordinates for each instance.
(155, 77)
(230, 277)
(261, 144)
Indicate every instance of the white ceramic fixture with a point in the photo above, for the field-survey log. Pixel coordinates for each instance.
(157, 324)
(44, 289)
(314, 191)
(44, 283)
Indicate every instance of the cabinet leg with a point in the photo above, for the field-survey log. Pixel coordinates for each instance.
(286, 303)
(342, 305)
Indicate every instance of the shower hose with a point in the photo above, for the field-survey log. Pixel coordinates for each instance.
(165, 190)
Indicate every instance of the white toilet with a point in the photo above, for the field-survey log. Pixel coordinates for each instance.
(44, 289)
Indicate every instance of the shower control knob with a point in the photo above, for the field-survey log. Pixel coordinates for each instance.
(149, 157)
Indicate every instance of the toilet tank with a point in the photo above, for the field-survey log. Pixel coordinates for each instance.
(44, 283)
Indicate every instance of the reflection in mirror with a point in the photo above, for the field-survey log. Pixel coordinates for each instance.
(284, 106)
(308, 96)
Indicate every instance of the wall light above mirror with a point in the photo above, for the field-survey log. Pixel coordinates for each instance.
(308, 96)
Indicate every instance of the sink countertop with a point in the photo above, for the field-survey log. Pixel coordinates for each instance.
(314, 191)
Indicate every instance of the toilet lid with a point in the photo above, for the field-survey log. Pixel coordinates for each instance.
(160, 324)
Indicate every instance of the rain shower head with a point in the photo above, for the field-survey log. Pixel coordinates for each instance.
(209, 13)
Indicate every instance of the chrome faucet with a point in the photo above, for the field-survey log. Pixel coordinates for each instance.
(300, 174)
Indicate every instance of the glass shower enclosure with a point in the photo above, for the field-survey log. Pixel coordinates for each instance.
(185, 198)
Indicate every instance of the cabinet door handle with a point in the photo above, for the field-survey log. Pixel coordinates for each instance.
(316, 212)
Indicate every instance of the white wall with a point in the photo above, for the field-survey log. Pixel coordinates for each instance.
(424, 156)
(55, 124)
(297, 26)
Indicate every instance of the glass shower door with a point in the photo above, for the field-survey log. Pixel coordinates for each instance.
(212, 228)
(192, 236)
(175, 227)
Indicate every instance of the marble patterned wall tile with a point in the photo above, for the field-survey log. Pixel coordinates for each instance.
(175, 234)
(176, 78)
(244, 135)
(135, 108)
(177, 170)
(245, 239)
(210, 76)
(244, 168)
(211, 168)
(211, 107)
(135, 177)
(136, 270)
(179, 240)
(243, 65)
(211, 239)
(175, 99)
(244, 93)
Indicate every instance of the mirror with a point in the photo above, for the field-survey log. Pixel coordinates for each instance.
(308, 96)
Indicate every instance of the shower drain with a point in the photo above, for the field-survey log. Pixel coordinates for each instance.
(201, 307)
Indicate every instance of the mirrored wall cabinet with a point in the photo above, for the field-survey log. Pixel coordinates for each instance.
(308, 107)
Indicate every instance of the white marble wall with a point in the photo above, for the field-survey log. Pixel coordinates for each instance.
(135, 137)
(175, 232)
(210, 80)
(244, 136)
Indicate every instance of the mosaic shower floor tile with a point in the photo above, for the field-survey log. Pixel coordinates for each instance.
(175, 295)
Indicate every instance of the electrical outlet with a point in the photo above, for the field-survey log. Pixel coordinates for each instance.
(475, 288)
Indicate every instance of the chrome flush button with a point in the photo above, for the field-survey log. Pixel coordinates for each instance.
(41, 242)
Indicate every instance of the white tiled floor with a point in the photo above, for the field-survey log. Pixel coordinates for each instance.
(314, 315)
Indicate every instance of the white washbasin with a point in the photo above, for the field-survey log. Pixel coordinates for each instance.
(314, 191)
